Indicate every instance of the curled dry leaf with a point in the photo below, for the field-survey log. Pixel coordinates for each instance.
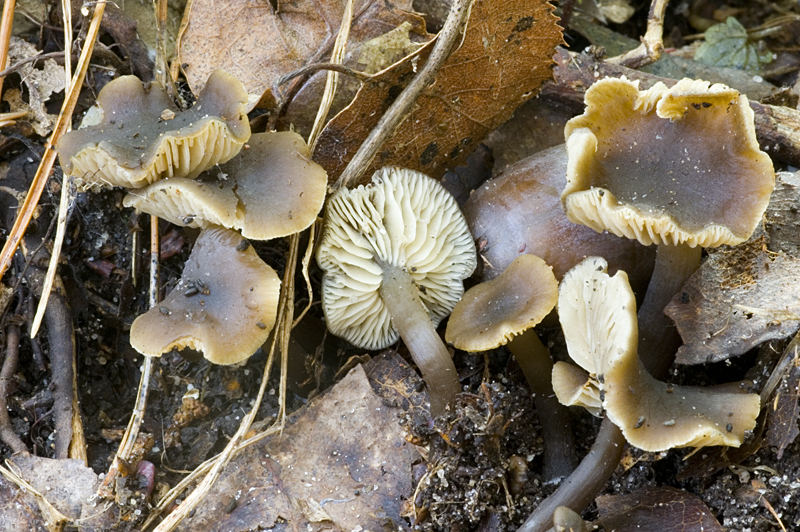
(40, 83)
(738, 299)
(505, 56)
(258, 44)
(663, 509)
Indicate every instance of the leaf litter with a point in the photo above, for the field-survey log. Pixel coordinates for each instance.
(504, 57)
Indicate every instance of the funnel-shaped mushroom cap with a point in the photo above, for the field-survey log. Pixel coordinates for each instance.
(271, 189)
(404, 219)
(667, 165)
(492, 313)
(598, 315)
(142, 137)
(224, 305)
(575, 387)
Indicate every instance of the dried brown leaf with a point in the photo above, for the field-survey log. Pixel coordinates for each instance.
(342, 465)
(663, 509)
(258, 45)
(739, 298)
(783, 413)
(505, 56)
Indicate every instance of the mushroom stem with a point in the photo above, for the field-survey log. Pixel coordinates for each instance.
(658, 338)
(580, 488)
(401, 297)
(534, 359)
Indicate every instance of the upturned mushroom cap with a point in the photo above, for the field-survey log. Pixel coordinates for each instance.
(404, 219)
(520, 211)
(667, 165)
(598, 315)
(142, 137)
(271, 189)
(224, 304)
(492, 313)
(574, 386)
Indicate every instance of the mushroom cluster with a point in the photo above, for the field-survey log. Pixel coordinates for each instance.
(201, 167)
(598, 317)
(678, 167)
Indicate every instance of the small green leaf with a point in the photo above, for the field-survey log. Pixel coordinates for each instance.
(727, 45)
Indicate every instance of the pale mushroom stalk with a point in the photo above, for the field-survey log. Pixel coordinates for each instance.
(395, 254)
(659, 339)
(534, 359)
(409, 317)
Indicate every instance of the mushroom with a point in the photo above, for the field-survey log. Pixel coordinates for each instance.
(224, 305)
(598, 316)
(271, 189)
(574, 386)
(520, 211)
(504, 311)
(678, 167)
(143, 137)
(394, 255)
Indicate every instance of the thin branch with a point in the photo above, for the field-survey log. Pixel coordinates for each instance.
(316, 67)
(652, 43)
(7, 433)
(451, 33)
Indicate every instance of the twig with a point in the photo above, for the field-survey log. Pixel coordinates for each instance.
(5, 36)
(62, 352)
(315, 67)
(33, 59)
(450, 34)
(652, 43)
(7, 433)
(48, 159)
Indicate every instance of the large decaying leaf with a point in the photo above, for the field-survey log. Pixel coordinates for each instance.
(662, 509)
(743, 296)
(344, 462)
(257, 44)
(506, 54)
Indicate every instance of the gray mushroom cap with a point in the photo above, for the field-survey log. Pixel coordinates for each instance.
(143, 137)
(404, 219)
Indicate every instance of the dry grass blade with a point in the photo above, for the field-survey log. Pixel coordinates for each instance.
(337, 56)
(67, 190)
(49, 157)
(128, 443)
(5, 34)
(200, 470)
